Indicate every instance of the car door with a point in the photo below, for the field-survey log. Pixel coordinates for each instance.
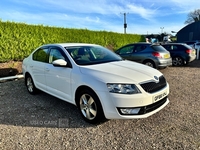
(58, 79)
(126, 52)
(39, 57)
(139, 54)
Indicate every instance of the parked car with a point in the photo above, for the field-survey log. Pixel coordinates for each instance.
(153, 55)
(190, 43)
(181, 53)
(197, 46)
(98, 81)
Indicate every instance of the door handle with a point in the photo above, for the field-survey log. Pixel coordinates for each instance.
(47, 69)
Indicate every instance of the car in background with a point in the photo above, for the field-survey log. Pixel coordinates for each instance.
(96, 80)
(153, 55)
(190, 43)
(181, 53)
(197, 46)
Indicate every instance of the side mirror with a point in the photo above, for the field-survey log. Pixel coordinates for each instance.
(59, 63)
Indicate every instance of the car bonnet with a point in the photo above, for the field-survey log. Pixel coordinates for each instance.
(121, 72)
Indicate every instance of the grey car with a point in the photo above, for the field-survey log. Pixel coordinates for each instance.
(153, 55)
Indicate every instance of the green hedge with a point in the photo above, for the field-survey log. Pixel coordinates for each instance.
(18, 40)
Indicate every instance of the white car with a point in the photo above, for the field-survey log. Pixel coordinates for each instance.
(99, 82)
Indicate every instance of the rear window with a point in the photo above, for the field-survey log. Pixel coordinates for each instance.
(174, 47)
(158, 48)
(188, 46)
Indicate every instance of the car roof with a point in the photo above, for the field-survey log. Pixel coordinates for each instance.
(70, 44)
(143, 43)
(174, 44)
(182, 44)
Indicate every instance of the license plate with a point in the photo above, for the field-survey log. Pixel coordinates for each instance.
(166, 56)
(159, 96)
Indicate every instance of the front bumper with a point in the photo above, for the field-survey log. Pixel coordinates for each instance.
(148, 103)
(145, 109)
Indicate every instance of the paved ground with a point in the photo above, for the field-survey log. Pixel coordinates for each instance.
(44, 122)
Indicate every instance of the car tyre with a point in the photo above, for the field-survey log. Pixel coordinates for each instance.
(30, 85)
(177, 61)
(149, 63)
(90, 107)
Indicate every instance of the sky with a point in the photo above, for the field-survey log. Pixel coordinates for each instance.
(142, 16)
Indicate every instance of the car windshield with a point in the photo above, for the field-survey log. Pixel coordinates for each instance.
(89, 55)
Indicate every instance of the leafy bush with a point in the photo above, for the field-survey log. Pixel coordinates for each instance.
(18, 40)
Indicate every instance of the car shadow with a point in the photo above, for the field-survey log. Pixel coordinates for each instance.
(194, 64)
(41, 110)
(5, 72)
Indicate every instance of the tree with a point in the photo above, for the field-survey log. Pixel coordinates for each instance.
(150, 36)
(160, 36)
(193, 16)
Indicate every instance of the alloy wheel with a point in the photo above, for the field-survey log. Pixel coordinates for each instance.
(177, 61)
(149, 64)
(88, 106)
(29, 84)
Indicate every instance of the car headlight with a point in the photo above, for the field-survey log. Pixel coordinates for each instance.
(123, 88)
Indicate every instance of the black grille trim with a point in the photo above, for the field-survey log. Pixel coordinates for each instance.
(146, 109)
(152, 107)
(152, 87)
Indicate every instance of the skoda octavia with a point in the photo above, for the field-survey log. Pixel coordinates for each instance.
(99, 82)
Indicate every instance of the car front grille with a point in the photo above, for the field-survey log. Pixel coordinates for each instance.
(151, 87)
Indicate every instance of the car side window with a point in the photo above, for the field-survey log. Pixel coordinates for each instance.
(175, 48)
(126, 50)
(139, 48)
(168, 47)
(41, 55)
(55, 54)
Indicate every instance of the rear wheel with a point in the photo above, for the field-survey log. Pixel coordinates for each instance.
(90, 107)
(177, 61)
(30, 85)
(149, 63)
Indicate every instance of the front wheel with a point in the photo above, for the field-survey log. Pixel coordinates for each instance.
(90, 107)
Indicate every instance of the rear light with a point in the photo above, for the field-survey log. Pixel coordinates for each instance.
(156, 54)
(188, 51)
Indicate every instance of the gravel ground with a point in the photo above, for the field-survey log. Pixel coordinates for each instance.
(44, 122)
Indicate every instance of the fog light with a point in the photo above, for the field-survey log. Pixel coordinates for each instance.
(129, 111)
